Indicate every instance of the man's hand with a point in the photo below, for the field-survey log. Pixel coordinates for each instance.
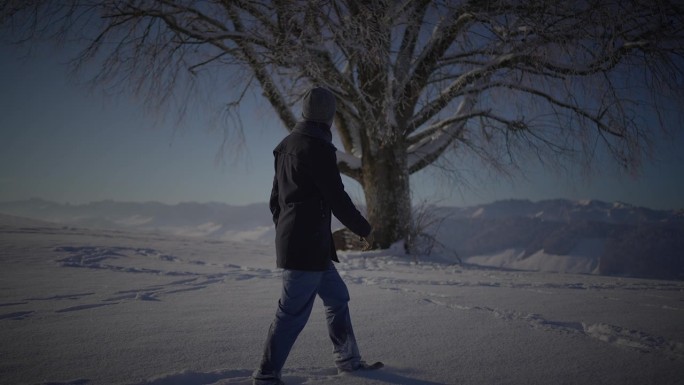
(368, 242)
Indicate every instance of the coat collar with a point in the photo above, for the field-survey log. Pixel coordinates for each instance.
(314, 129)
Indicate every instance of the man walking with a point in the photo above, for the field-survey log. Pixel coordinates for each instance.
(307, 190)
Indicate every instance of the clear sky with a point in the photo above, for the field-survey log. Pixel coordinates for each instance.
(62, 141)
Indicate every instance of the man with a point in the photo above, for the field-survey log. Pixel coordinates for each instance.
(307, 189)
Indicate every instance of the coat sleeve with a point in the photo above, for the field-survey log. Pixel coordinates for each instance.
(328, 181)
(273, 201)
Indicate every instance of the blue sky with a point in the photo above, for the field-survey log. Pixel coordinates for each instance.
(61, 141)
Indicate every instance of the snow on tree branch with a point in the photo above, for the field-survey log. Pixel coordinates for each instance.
(350, 163)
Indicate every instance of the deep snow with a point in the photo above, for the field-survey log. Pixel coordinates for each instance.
(81, 306)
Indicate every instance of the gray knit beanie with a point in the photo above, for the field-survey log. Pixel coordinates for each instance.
(319, 105)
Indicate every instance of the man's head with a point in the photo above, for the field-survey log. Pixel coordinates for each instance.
(319, 105)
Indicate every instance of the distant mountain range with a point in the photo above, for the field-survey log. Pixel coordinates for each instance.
(591, 237)
(563, 210)
(218, 220)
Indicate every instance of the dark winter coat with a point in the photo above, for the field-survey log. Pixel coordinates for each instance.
(307, 188)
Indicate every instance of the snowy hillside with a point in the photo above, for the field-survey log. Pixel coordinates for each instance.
(581, 237)
(81, 306)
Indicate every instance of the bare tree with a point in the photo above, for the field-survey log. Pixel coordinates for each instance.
(558, 80)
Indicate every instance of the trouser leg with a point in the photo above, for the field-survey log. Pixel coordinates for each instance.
(294, 308)
(335, 296)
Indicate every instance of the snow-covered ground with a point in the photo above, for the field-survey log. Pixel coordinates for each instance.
(80, 306)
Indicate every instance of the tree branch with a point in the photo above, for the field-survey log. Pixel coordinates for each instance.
(442, 38)
(263, 77)
(456, 88)
(431, 148)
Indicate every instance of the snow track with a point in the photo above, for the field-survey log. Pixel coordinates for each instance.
(616, 335)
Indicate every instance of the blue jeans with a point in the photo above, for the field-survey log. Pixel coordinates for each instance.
(294, 307)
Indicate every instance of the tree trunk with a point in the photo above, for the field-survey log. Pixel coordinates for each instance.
(388, 195)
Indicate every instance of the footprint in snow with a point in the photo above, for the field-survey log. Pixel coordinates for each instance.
(17, 316)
